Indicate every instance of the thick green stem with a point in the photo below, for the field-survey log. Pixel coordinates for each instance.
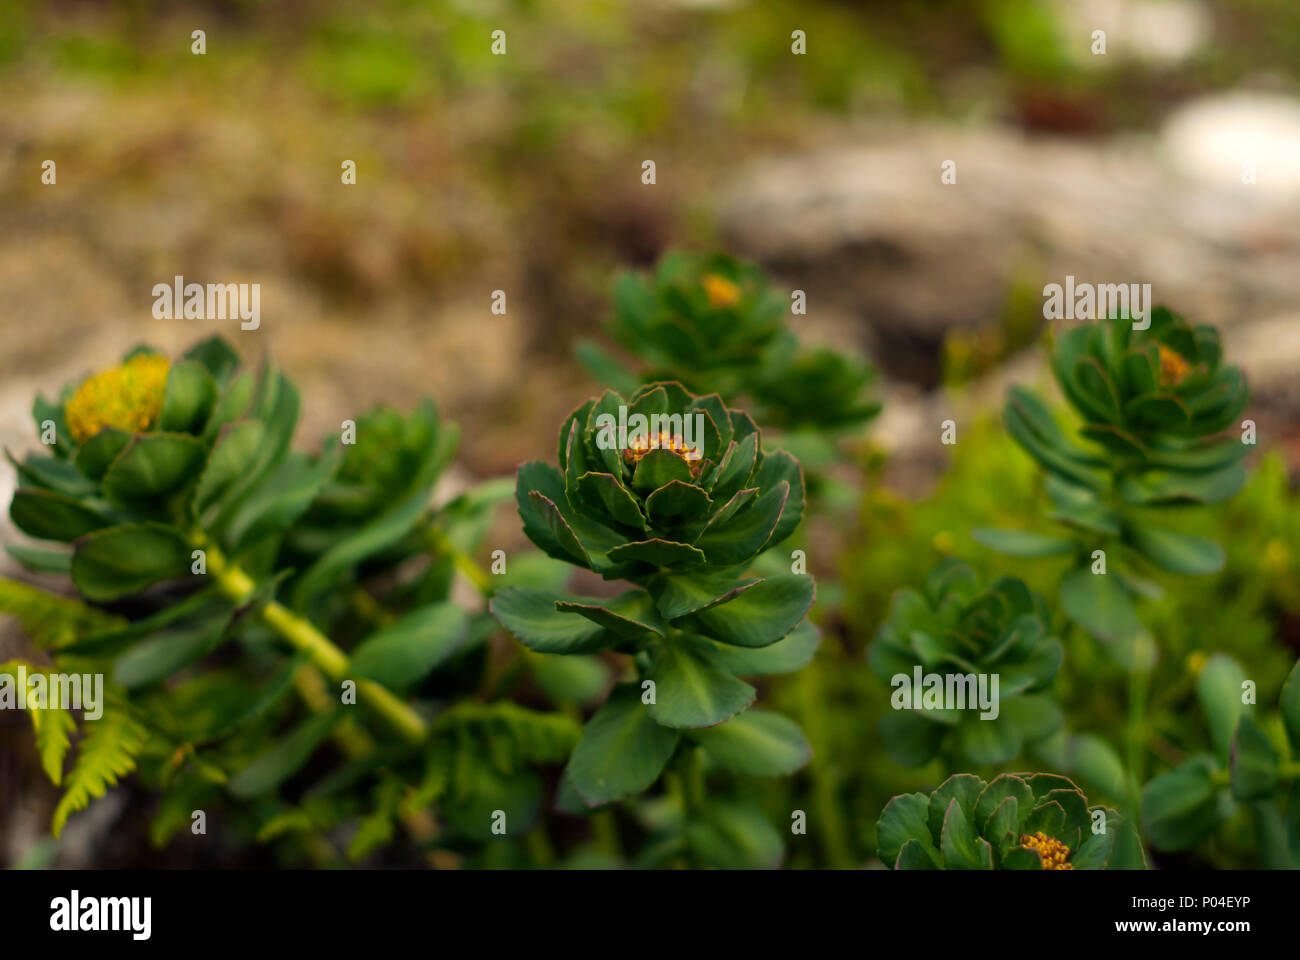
(300, 634)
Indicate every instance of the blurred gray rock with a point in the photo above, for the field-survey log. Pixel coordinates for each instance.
(894, 257)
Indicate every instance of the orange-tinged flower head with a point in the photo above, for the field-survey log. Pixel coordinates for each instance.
(1173, 366)
(1052, 852)
(128, 397)
(721, 291)
(639, 446)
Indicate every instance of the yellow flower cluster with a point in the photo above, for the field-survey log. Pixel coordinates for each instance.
(1173, 367)
(1052, 852)
(721, 291)
(128, 397)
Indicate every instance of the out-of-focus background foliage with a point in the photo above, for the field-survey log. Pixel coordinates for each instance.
(522, 173)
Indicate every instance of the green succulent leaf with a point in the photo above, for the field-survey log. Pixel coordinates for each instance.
(998, 790)
(1163, 488)
(1181, 806)
(962, 787)
(1219, 688)
(118, 561)
(679, 594)
(675, 503)
(1002, 828)
(1095, 851)
(631, 613)
(531, 615)
(622, 750)
(154, 466)
(216, 356)
(792, 652)
(40, 559)
(97, 454)
(905, 820)
(740, 538)
(692, 688)
(614, 500)
(284, 495)
(658, 468)
(1022, 543)
(284, 758)
(48, 515)
(1177, 552)
(560, 532)
(345, 554)
(1099, 604)
(657, 552)
(189, 397)
(914, 856)
(756, 743)
(761, 615)
(164, 652)
(779, 467)
(988, 741)
(234, 449)
(1254, 769)
(735, 468)
(403, 653)
(962, 849)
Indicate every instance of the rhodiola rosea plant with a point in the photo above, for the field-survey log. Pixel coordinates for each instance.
(716, 324)
(713, 322)
(955, 626)
(1153, 438)
(680, 520)
(1153, 406)
(254, 608)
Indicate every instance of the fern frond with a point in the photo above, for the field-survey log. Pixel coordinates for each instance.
(49, 620)
(106, 753)
(53, 728)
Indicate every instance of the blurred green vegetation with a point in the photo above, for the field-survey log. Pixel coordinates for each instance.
(633, 69)
(1250, 611)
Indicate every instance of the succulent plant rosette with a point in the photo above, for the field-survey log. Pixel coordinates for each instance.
(678, 512)
(1153, 406)
(718, 321)
(956, 633)
(167, 491)
(1018, 821)
(153, 460)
